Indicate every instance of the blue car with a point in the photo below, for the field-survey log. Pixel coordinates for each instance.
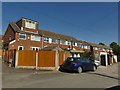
(78, 64)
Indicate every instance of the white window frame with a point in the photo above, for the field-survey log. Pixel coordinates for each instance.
(95, 48)
(22, 34)
(108, 50)
(35, 38)
(82, 46)
(85, 47)
(45, 46)
(88, 47)
(62, 40)
(111, 50)
(69, 43)
(47, 39)
(35, 48)
(103, 49)
(100, 49)
(79, 44)
(73, 43)
(30, 25)
(20, 46)
(55, 40)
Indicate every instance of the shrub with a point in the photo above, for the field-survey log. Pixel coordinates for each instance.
(89, 55)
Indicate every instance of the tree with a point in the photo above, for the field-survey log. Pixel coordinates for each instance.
(116, 49)
(1, 44)
(65, 49)
(113, 44)
(89, 55)
(101, 44)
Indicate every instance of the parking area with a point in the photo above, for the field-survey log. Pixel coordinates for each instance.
(104, 77)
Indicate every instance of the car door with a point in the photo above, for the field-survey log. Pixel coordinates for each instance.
(89, 64)
(85, 64)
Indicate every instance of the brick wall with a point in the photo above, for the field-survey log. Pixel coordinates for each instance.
(8, 32)
(78, 48)
(25, 43)
(19, 23)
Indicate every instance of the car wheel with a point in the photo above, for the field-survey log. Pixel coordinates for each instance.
(60, 68)
(79, 70)
(94, 68)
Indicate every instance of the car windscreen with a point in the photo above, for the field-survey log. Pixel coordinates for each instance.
(70, 59)
(83, 59)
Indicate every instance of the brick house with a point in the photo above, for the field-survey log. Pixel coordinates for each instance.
(25, 35)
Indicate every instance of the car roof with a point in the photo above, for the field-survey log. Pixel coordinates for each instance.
(77, 57)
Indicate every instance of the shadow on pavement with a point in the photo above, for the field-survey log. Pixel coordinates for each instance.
(113, 88)
(104, 75)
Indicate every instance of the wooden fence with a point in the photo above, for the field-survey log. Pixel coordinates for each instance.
(27, 58)
(61, 57)
(1, 51)
(46, 58)
(36, 59)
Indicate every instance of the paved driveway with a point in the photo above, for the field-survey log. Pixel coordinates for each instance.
(104, 77)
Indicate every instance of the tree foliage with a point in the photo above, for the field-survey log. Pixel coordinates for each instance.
(0, 43)
(116, 49)
(65, 49)
(101, 44)
(89, 55)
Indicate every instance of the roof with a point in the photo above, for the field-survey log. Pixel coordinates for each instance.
(83, 42)
(27, 19)
(17, 29)
(56, 35)
(77, 51)
(53, 48)
(45, 33)
(97, 45)
(14, 26)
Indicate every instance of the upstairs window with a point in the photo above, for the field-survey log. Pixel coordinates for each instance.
(69, 43)
(107, 50)
(22, 36)
(103, 49)
(46, 39)
(82, 46)
(85, 47)
(100, 48)
(63, 42)
(88, 47)
(35, 38)
(73, 43)
(95, 48)
(54, 40)
(79, 44)
(10, 37)
(111, 50)
(30, 24)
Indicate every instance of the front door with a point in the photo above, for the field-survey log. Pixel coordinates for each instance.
(103, 60)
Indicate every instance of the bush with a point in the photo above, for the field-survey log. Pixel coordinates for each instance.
(89, 55)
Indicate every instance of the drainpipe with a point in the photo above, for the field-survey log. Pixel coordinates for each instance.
(42, 40)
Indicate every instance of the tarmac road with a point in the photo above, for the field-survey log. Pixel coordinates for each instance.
(104, 77)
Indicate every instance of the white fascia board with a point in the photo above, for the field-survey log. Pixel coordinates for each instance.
(12, 41)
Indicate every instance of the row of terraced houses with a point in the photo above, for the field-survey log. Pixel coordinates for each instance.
(25, 35)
